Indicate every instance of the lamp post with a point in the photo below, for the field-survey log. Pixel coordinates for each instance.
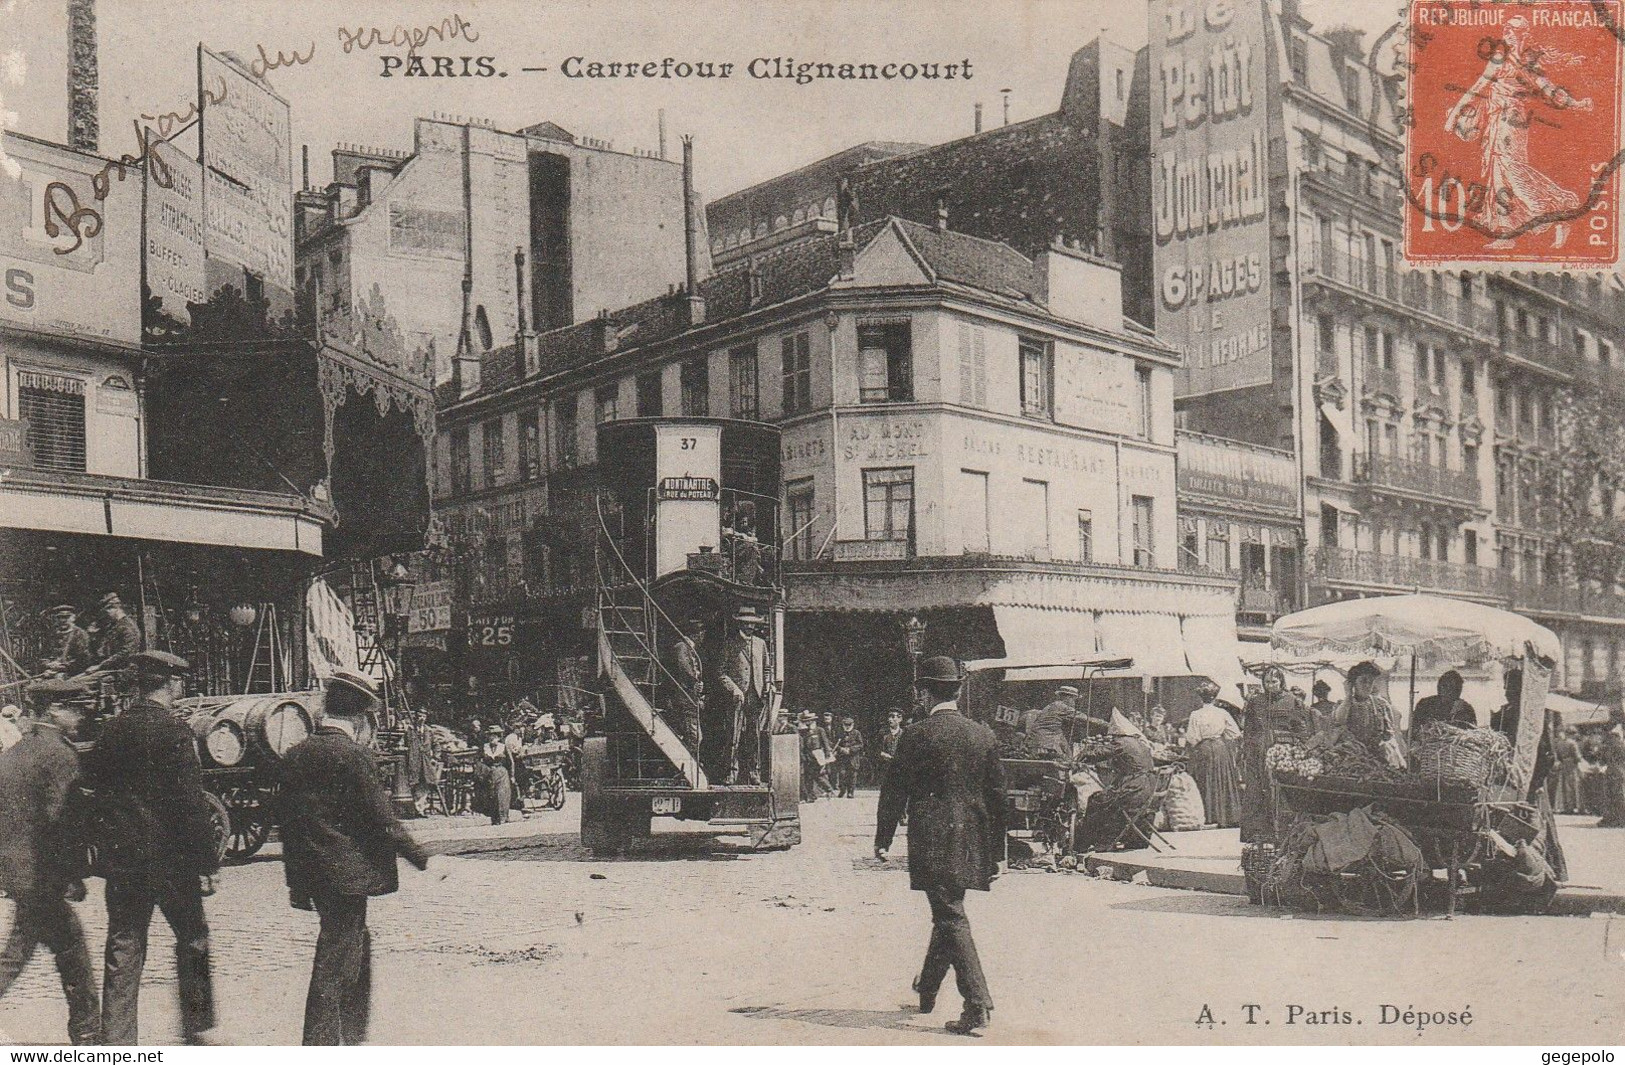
(914, 640)
(397, 581)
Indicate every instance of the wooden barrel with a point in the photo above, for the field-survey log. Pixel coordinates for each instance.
(221, 740)
(269, 723)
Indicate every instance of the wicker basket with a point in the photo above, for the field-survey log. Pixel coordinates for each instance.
(1257, 860)
(1455, 762)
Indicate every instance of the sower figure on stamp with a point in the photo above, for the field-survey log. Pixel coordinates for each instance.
(1498, 106)
(42, 855)
(157, 847)
(947, 776)
(340, 838)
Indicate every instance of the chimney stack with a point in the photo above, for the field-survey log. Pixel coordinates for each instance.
(662, 133)
(82, 77)
(978, 117)
(691, 235)
(1006, 93)
(304, 164)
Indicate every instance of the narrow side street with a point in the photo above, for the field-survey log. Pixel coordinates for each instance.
(817, 945)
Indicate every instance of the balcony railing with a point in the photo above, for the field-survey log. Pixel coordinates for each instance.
(1407, 289)
(1538, 350)
(1338, 178)
(1350, 566)
(1378, 379)
(1539, 598)
(1270, 603)
(1383, 471)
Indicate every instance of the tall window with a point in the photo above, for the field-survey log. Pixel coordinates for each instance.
(1326, 331)
(1142, 392)
(607, 403)
(1037, 378)
(743, 400)
(1086, 536)
(888, 504)
(972, 365)
(799, 495)
(495, 452)
(885, 363)
(462, 477)
(695, 379)
(530, 445)
(1218, 546)
(1144, 534)
(1469, 547)
(565, 440)
(796, 359)
(975, 516)
(54, 407)
(649, 398)
(1035, 508)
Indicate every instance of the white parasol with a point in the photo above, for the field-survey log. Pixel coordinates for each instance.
(1425, 627)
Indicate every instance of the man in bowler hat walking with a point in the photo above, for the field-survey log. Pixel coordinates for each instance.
(340, 838)
(157, 848)
(947, 777)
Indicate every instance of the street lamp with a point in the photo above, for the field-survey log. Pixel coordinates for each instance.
(914, 640)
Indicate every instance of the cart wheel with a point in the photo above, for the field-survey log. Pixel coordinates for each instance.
(249, 822)
(220, 821)
(555, 790)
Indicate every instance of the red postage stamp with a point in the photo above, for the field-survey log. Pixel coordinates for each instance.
(1512, 141)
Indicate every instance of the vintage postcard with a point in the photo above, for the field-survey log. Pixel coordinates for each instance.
(710, 523)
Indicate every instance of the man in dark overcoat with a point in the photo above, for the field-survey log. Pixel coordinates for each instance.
(42, 854)
(947, 777)
(120, 637)
(157, 848)
(340, 838)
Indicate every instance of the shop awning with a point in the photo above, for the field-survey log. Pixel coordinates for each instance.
(1154, 641)
(1212, 651)
(159, 510)
(1049, 635)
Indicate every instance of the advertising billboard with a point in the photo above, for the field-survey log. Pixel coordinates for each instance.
(70, 262)
(248, 168)
(1210, 135)
(174, 231)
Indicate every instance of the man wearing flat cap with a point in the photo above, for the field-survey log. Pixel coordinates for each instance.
(42, 854)
(340, 839)
(157, 848)
(73, 643)
(1048, 729)
(947, 777)
(120, 637)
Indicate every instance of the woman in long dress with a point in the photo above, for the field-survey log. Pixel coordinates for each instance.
(1500, 105)
(497, 765)
(1211, 734)
(1270, 716)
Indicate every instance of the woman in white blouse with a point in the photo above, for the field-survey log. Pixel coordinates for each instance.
(1211, 734)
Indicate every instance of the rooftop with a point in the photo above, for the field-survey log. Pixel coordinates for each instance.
(955, 260)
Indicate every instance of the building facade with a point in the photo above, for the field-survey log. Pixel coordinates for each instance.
(974, 440)
(1427, 408)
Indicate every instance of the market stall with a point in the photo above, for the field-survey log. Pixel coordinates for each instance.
(1367, 819)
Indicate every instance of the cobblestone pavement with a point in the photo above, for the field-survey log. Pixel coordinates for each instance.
(697, 941)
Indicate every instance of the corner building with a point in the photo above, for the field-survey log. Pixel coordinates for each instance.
(972, 439)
